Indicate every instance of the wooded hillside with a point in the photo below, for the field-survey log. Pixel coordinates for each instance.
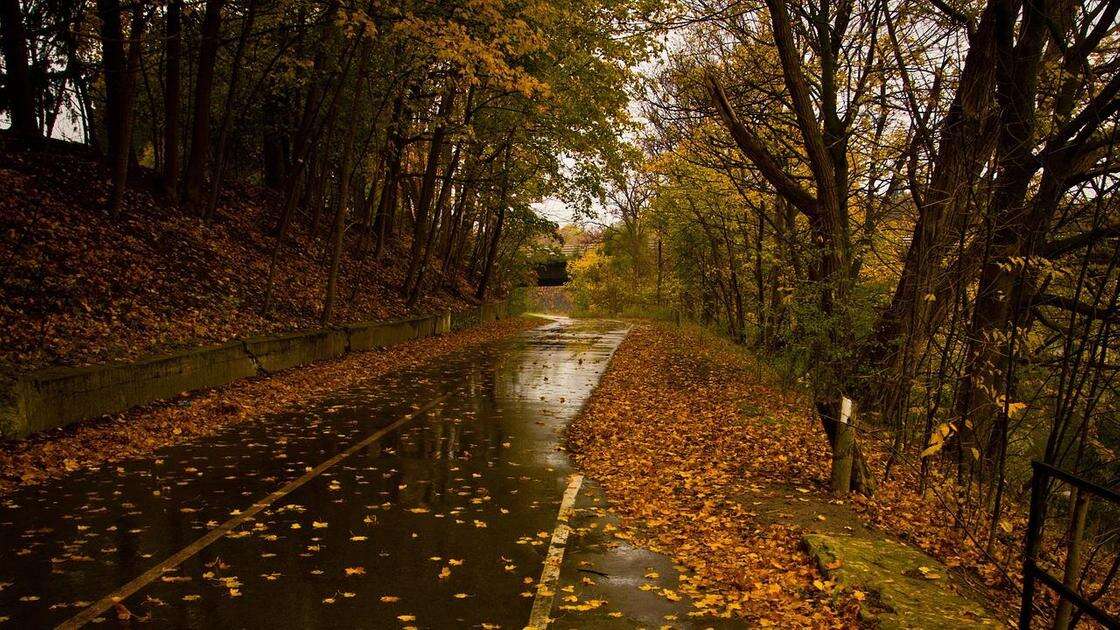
(238, 166)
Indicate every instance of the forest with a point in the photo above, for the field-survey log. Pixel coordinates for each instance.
(373, 140)
(906, 208)
(909, 206)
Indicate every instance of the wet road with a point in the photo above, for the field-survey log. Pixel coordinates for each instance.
(425, 499)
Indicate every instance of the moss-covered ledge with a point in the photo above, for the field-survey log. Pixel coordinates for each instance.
(905, 588)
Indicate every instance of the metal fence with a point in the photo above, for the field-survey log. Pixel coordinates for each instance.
(1032, 573)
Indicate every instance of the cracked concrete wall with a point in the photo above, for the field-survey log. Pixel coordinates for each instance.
(55, 397)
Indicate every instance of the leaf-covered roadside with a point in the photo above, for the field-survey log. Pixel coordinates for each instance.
(687, 433)
(666, 435)
(144, 429)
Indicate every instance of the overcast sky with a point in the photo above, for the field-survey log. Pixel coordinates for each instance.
(554, 210)
(558, 211)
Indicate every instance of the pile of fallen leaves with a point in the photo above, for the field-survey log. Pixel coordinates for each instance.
(686, 429)
(83, 287)
(674, 435)
(144, 429)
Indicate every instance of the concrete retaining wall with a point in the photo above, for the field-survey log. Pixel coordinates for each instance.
(55, 397)
(480, 315)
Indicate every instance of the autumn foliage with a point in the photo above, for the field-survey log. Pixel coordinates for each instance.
(667, 436)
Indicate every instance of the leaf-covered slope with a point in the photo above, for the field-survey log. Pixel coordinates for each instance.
(83, 287)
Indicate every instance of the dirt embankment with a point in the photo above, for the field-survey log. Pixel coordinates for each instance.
(80, 287)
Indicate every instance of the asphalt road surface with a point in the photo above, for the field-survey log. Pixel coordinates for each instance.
(438, 497)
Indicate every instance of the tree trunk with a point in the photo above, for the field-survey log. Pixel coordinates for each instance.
(21, 99)
(824, 139)
(440, 221)
(204, 87)
(463, 215)
(344, 176)
(659, 270)
(171, 97)
(384, 222)
(427, 190)
(966, 141)
(120, 69)
(987, 386)
(492, 253)
(849, 468)
(1074, 551)
(760, 282)
(76, 74)
(843, 448)
(298, 175)
(227, 112)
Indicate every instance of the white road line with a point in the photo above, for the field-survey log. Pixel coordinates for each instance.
(550, 575)
(105, 603)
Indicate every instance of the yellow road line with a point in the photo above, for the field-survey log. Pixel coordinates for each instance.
(550, 575)
(105, 603)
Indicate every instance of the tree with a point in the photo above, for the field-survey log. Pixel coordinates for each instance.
(409, 147)
(204, 88)
(824, 142)
(120, 64)
(171, 91)
(17, 84)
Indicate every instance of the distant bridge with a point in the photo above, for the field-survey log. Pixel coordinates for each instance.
(552, 273)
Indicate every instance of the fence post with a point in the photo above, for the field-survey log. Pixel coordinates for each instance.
(1073, 557)
(1034, 535)
(843, 449)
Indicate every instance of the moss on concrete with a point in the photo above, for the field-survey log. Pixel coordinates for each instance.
(55, 397)
(905, 587)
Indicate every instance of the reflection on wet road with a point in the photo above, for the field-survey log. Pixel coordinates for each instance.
(442, 522)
